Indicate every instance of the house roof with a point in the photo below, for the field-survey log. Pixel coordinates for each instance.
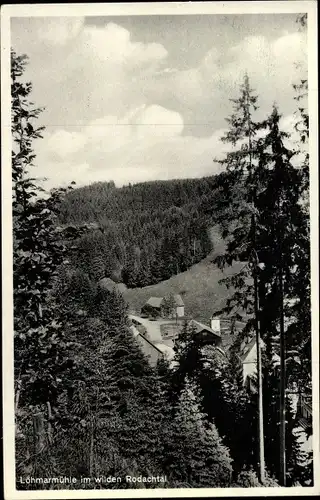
(109, 284)
(178, 300)
(157, 301)
(200, 327)
(154, 302)
(168, 351)
(246, 346)
(106, 284)
(142, 339)
(134, 330)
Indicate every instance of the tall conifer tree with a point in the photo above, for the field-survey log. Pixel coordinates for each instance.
(268, 189)
(240, 186)
(195, 454)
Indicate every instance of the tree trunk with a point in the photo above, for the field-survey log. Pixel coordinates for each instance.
(91, 457)
(282, 387)
(17, 397)
(261, 463)
(49, 430)
(38, 433)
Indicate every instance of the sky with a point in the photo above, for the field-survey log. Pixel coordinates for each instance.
(140, 98)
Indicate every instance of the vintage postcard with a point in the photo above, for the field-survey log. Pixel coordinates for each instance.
(160, 250)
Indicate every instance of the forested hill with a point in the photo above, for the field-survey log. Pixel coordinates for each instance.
(146, 232)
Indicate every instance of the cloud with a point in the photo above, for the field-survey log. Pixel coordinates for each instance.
(64, 143)
(81, 72)
(271, 60)
(155, 122)
(57, 30)
(145, 144)
(112, 44)
(117, 108)
(204, 91)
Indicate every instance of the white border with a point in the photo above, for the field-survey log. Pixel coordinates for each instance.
(179, 8)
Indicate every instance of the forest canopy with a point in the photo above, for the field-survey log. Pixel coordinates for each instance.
(144, 233)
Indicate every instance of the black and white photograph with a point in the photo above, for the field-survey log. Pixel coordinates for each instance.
(160, 252)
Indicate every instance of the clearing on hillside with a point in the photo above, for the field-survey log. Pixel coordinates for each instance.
(199, 288)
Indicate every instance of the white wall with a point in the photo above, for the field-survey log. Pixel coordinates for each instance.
(250, 363)
(215, 325)
(180, 311)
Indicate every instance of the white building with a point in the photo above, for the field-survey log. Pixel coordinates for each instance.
(248, 361)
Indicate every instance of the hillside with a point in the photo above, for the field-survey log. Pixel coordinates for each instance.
(199, 287)
(143, 234)
(156, 238)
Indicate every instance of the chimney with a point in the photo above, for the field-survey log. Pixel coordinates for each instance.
(215, 325)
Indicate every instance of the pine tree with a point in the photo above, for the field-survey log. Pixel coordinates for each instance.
(296, 470)
(110, 307)
(39, 249)
(287, 228)
(195, 454)
(74, 291)
(223, 399)
(302, 275)
(168, 306)
(240, 184)
(237, 200)
(227, 403)
(45, 361)
(135, 394)
(271, 189)
(188, 357)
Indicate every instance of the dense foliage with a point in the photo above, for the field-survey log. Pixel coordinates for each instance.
(267, 186)
(88, 403)
(144, 233)
(263, 182)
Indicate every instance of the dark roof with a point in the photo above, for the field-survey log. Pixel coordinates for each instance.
(200, 327)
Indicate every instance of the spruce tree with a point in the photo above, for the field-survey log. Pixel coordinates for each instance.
(270, 193)
(302, 276)
(188, 358)
(227, 403)
(40, 247)
(223, 398)
(284, 242)
(238, 191)
(195, 454)
(45, 360)
(110, 307)
(241, 227)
